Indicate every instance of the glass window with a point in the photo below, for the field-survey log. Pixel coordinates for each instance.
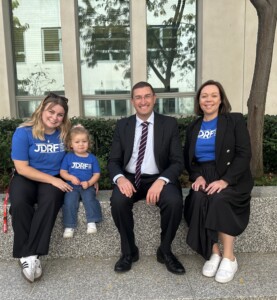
(37, 43)
(111, 43)
(105, 55)
(171, 45)
(107, 108)
(19, 46)
(51, 44)
(175, 106)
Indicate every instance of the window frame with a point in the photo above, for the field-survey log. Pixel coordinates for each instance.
(45, 52)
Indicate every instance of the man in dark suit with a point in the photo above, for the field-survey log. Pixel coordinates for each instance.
(162, 163)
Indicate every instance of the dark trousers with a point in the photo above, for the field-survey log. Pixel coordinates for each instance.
(170, 204)
(33, 224)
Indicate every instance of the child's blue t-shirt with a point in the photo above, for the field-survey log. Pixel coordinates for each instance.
(205, 144)
(81, 167)
(45, 156)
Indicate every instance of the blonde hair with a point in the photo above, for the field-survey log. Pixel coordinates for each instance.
(36, 119)
(75, 130)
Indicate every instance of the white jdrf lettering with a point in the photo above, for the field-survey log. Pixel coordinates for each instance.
(207, 134)
(48, 148)
(78, 165)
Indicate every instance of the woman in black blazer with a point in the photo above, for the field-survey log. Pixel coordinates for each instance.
(217, 157)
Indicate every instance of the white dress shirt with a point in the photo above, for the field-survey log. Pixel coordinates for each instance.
(148, 165)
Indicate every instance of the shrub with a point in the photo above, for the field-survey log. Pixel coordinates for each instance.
(102, 131)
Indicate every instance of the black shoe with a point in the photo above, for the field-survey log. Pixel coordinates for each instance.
(171, 262)
(124, 264)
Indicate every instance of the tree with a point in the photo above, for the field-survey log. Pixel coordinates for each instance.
(110, 19)
(267, 16)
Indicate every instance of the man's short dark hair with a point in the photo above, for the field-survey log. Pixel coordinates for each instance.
(141, 84)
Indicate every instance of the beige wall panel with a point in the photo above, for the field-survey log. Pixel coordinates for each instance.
(70, 45)
(7, 93)
(223, 46)
(229, 50)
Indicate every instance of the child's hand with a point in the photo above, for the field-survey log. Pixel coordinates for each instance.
(75, 180)
(84, 184)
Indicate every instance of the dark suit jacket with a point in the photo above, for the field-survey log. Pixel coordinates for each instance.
(167, 146)
(232, 151)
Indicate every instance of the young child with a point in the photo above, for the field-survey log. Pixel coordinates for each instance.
(81, 170)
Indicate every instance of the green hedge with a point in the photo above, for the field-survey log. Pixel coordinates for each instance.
(102, 130)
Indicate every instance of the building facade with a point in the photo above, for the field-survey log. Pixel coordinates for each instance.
(94, 51)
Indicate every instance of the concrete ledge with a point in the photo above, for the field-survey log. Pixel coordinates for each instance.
(260, 235)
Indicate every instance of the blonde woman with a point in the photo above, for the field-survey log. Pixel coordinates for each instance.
(36, 190)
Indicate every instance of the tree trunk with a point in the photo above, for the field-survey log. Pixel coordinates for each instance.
(267, 13)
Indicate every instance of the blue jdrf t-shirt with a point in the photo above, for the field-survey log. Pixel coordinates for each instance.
(45, 156)
(205, 144)
(81, 167)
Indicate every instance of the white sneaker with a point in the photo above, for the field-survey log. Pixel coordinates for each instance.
(91, 228)
(226, 270)
(38, 269)
(28, 267)
(210, 267)
(68, 233)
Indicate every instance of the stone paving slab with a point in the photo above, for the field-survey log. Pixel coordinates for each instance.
(94, 278)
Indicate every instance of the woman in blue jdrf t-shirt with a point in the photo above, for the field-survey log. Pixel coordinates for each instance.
(36, 190)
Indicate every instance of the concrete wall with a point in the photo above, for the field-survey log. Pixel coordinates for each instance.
(229, 36)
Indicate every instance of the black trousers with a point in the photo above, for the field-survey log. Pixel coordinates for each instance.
(32, 224)
(170, 204)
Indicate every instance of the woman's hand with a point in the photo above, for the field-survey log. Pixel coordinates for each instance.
(216, 186)
(62, 185)
(199, 184)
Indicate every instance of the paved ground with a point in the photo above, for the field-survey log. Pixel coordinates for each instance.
(94, 278)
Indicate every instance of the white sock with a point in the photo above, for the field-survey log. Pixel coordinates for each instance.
(33, 257)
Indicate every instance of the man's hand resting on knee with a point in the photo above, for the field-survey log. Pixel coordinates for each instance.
(125, 186)
(153, 194)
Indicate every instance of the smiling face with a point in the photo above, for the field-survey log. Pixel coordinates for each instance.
(143, 101)
(209, 101)
(52, 117)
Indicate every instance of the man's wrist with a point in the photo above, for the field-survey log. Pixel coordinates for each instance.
(165, 180)
(117, 177)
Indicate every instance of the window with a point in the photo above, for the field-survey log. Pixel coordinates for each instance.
(171, 46)
(36, 40)
(19, 46)
(163, 52)
(111, 43)
(51, 38)
(104, 32)
(159, 41)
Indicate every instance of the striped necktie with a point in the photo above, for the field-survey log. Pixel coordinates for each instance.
(142, 146)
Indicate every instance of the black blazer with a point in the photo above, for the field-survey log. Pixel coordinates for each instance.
(167, 146)
(232, 151)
